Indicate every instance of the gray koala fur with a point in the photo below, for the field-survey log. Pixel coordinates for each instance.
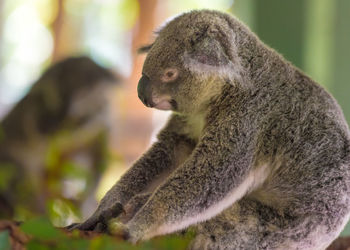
(256, 155)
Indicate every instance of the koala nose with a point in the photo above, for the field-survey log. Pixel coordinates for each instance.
(144, 90)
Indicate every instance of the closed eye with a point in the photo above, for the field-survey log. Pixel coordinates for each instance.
(144, 49)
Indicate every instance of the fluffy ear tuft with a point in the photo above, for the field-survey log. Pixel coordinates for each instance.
(211, 54)
(207, 47)
(209, 51)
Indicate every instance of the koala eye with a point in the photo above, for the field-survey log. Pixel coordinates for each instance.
(169, 75)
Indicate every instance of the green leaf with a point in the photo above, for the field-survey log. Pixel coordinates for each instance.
(62, 212)
(171, 242)
(34, 245)
(5, 240)
(42, 229)
(76, 244)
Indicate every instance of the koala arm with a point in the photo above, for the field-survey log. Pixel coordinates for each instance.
(160, 157)
(133, 206)
(210, 180)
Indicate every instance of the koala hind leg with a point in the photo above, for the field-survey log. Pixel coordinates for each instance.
(248, 224)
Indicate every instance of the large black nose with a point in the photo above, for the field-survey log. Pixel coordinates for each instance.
(144, 91)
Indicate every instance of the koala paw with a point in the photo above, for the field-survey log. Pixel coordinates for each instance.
(98, 222)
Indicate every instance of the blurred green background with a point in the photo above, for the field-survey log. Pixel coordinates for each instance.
(34, 34)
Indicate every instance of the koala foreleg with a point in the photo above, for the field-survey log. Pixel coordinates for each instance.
(202, 187)
(133, 206)
(150, 170)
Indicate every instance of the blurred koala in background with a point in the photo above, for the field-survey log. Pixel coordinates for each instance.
(53, 142)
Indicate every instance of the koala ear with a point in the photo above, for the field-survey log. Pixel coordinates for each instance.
(208, 51)
(209, 47)
(213, 53)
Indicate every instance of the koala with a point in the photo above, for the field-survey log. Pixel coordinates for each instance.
(256, 155)
(64, 111)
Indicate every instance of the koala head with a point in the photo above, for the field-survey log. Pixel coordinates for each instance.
(189, 61)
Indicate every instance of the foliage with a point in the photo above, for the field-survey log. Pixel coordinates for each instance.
(42, 235)
(4, 240)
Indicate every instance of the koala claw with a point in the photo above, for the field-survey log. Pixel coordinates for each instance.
(98, 222)
(111, 213)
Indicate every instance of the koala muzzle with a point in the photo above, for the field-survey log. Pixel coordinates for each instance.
(144, 91)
